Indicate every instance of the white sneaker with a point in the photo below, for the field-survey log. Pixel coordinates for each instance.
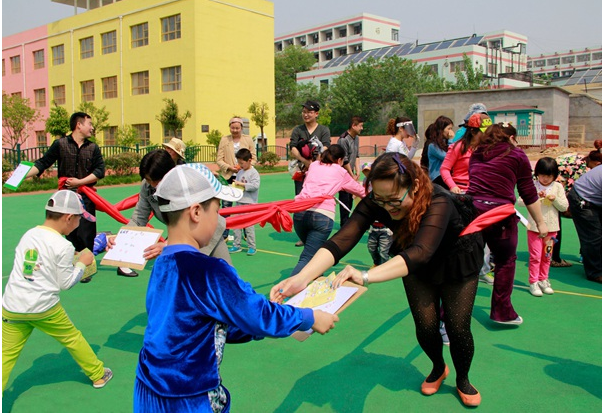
(535, 290)
(487, 278)
(517, 321)
(546, 287)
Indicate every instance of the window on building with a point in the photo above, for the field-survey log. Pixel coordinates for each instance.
(16, 94)
(41, 138)
(434, 68)
(168, 134)
(342, 51)
(357, 48)
(492, 67)
(140, 35)
(568, 59)
(597, 56)
(109, 87)
(171, 28)
(58, 94)
(110, 135)
(315, 38)
(143, 130)
(140, 83)
(58, 55)
(39, 97)
(567, 73)
(87, 90)
(302, 40)
(583, 57)
(508, 69)
(171, 78)
(539, 63)
(38, 59)
(554, 74)
(316, 56)
(327, 54)
(457, 66)
(109, 42)
(324, 84)
(15, 64)
(357, 29)
(554, 61)
(86, 48)
(395, 35)
(279, 46)
(328, 35)
(343, 32)
(529, 64)
(3, 68)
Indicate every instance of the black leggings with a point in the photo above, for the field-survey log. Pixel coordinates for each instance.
(457, 300)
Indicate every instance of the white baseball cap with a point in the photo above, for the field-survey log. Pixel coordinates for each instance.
(190, 184)
(68, 202)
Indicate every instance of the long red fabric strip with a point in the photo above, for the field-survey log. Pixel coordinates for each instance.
(488, 218)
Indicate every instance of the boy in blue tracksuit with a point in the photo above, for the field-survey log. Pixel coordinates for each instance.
(197, 303)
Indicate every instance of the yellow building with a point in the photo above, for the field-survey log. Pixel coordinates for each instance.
(213, 58)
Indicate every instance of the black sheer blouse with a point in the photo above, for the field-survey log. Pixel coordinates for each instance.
(437, 253)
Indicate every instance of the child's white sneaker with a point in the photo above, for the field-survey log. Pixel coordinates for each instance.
(535, 290)
(546, 287)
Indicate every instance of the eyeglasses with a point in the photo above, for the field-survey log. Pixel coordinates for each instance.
(393, 203)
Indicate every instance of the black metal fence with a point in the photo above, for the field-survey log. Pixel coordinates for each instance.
(197, 153)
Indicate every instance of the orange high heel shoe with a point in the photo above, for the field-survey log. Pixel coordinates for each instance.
(429, 389)
(470, 400)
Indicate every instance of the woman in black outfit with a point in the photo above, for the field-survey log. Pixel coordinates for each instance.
(436, 264)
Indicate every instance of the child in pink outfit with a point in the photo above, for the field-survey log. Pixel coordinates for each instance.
(326, 177)
(553, 200)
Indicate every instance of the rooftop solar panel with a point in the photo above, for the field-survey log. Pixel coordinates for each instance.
(460, 42)
(430, 47)
(445, 45)
(473, 40)
(416, 49)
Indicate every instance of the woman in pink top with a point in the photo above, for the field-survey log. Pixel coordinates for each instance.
(326, 177)
(454, 169)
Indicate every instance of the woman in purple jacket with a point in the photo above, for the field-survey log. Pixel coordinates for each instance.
(496, 167)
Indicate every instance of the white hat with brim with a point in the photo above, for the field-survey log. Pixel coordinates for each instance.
(189, 184)
(178, 146)
(68, 202)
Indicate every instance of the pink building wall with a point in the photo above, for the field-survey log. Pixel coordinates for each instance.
(24, 44)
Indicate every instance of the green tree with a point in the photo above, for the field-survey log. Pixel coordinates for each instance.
(100, 116)
(214, 137)
(170, 117)
(127, 136)
(260, 117)
(17, 119)
(376, 89)
(469, 78)
(287, 64)
(57, 123)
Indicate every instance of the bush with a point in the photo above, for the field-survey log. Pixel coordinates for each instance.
(268, 159)
(124, 163)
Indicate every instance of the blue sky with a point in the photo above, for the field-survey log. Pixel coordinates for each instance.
(550, 25)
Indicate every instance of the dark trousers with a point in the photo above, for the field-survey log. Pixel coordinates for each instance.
(588, 223)
(502, 239)
(346, 199)
(83, 236)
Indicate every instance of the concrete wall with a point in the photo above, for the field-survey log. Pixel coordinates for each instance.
(553, 101)
(586, 116)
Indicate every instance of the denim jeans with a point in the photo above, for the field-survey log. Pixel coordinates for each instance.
(379, 242)
(588, 223)
(313, 228)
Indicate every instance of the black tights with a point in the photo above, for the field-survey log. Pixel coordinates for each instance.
(457, 300)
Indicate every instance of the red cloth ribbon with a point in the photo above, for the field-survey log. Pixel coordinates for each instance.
(488, 218)
(276, 213)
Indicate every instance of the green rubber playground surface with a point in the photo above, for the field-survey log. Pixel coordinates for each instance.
(370, 362)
